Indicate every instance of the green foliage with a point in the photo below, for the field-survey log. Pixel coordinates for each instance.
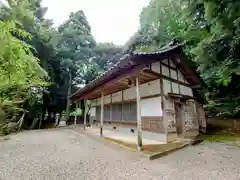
(20, 70)
(76, 112)
(211, 30)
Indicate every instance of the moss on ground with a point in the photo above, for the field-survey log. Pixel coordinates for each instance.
(221, 137)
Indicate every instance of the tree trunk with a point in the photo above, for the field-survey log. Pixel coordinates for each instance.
(40, 120)
(69, 93)
(34, 123)
(21, 122)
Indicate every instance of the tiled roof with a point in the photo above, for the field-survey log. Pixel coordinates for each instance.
(123, 61)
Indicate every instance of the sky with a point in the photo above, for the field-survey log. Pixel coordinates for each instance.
(111, 20)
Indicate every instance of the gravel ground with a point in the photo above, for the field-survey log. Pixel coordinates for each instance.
(65, 155)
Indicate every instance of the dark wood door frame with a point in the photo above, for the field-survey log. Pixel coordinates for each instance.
(179, 117)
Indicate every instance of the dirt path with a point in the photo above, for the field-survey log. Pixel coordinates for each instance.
(64, 155)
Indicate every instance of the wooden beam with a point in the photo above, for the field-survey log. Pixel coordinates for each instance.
(163, 107)
(139, 120)
(146, 75)
(111, 107)
(179, 91)
(102, 111)
(122, 106)
(170, 67)
(134, 99)
(129, 73)
(168, 78)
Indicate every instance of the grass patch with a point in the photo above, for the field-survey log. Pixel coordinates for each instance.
(221, 137)
(234, 140)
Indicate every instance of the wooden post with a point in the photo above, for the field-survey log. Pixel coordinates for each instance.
(75, 119)
(170, 75)
(163, 106)
(68, 99)
(111, 117)
(85, 113)
(101, 120)
(122, 115)
(139, 120)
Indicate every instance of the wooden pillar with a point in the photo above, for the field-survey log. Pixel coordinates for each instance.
(85, 114)
(122, 115)
(111, 108)
(75, 118)
(170, 75)
(139, 120)
(164, 119)
(102, 110)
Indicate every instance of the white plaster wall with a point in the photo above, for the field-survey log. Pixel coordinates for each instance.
(116, 97)
(156, 67)
(165, 61)
(181, 77)
(172, 64)
(166, 86)
(107, 99)
(93, 111)
(173, 74)
(186, 90)
(151, 107)
(129, 93)
(98, 101)
(165, 70)
(150, 88)
(169, 104)
(175, 88)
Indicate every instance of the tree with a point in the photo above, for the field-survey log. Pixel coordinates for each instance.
(20, 72)
(75, 47)
(29, 17)
(211, 30)
(107, 54)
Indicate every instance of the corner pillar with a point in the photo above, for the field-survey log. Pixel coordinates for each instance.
(101, 120)
(139, 120)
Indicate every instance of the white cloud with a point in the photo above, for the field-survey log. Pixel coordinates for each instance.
(111, 20)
